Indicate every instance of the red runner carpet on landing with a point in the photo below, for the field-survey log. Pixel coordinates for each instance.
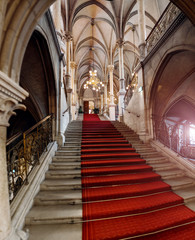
(123, 198)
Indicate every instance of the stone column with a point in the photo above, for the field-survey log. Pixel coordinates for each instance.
(111, 105)
(73, 103)
(67, 38)
(105, 97)
(102, 102)
(56, 12)
(10, 95)
(142, 29)
(122, 91)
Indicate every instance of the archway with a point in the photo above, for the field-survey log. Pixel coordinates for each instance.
(37, 78)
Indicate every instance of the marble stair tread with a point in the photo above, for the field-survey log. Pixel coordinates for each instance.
(191, 205)
(180, 182)
(69, 148)
(162, 166)
(55, 232)
(63, 174)
(70, 158)
(54, 214)
(68, 166)
(188, 194)
(156, 159)
(170, 173)
(64, 171)
(61, 184)
(48, 196)
(67, 153)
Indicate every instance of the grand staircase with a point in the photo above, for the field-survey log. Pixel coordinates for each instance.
(58, 210)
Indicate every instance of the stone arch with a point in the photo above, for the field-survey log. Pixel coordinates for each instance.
(20, 21)
(173, 79)
(37, 78)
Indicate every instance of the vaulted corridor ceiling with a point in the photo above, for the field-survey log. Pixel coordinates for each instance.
(97, 27)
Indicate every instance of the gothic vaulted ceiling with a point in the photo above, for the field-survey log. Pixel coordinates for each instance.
(97, 25)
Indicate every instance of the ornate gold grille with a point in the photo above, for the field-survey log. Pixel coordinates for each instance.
(24, 151)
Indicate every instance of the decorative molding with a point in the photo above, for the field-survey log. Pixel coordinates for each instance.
(7, 107)
(166, 19)
(10, 89)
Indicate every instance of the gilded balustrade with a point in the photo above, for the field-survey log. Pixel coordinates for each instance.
(176, 136)
(24, 151)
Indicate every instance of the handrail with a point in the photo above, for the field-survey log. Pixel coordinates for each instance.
(23, 155)
(37, 124)
(65, 111)
(13, 138)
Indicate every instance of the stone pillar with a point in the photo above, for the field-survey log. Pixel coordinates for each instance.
(142, 29)
(122, 91)
(102, 102)
(67, 38)
(73, 103)
(105, 97)
(111, 105)
(56, 12)
(10, 95)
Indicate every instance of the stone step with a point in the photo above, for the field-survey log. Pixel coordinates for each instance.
(65, 158)
(67, 153)
(57, 214)
(55, 231)
(160, 159)
(180, 182)
(168, 174)
(65, 165)
(63, 184)
(58, 197)
(70, 148)
(188, 194)
(162, 166)
(150, 154)
(63, 174)
(76, 144)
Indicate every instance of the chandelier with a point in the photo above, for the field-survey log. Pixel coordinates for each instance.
(94, 83)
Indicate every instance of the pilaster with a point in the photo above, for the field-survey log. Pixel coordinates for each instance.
(10, 96)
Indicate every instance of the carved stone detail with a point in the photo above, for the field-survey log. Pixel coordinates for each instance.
(73, 65)
(7, 107)
(110, 68)
(161, 27)
(67, 37)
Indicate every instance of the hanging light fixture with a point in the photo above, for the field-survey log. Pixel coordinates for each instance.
(93, 82)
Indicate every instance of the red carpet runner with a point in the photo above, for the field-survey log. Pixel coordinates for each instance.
(122, 197)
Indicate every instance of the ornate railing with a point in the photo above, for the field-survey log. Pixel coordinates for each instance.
(24, 151)
(167, 18)
(176, 136)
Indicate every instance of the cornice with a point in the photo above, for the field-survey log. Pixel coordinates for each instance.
(10, 89)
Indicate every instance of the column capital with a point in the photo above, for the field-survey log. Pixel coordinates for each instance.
(7, 107)
(67, 37)
(73, 65)
(120, 42)
(110, 68)
(10, 96)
